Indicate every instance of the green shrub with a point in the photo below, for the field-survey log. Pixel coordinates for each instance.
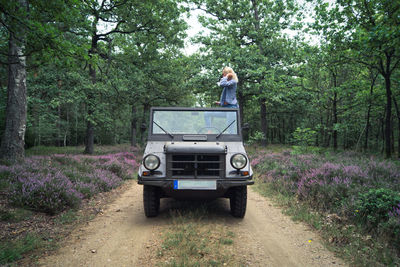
(304, 137)
(256, 138)
(375, 205)
(299, 150)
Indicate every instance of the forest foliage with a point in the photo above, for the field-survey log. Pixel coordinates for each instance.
(320, 73)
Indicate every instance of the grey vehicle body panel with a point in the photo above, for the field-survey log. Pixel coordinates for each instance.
(157, 148)
(227, 144)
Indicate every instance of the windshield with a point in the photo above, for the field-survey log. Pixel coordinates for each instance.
(194, 122)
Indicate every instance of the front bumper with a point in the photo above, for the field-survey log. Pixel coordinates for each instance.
(222, 184)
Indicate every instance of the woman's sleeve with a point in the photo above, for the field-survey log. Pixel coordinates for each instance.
(224, 82)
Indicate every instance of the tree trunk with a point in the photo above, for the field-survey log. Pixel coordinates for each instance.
(274, 127)
(382, 131)
(328, 133)
(335, 121)
(378, 134)
(367, 127)
(66, 131)
(241, 100)
(392, 135)
(398, 125)
(373, 79)
(36, 125)
(115, 134)
(263, 118)
(89, 136)
(90, 126)
(40, 135)
(388, 125)
(12, 145)
(76, 124)
(133, 126)
(322, 131)
(146, 109)
(58, 141)
(59, 119)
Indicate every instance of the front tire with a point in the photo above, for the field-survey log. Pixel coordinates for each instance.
(151, 200)
(238, 201)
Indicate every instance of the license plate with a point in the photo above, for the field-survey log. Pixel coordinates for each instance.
(195, 184)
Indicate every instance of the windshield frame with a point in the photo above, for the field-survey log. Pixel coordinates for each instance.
(179, 137)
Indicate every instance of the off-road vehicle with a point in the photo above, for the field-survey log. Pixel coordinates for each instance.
(195, 153)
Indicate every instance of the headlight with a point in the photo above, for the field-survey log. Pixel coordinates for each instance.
(238, 161)
(151, 162)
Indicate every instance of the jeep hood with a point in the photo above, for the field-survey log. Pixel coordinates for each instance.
(195, 147)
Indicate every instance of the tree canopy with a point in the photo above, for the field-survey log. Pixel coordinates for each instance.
(321, 73)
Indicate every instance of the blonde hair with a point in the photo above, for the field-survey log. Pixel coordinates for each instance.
(228, 70)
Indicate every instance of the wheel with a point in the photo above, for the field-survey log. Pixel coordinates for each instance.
(151, 200)
(238, 201)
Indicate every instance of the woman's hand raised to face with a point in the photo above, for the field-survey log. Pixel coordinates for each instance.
(229, 76)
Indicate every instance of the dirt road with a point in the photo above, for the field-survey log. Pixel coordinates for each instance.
(121, 234)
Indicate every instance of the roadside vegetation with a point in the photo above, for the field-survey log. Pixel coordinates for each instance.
(46, 190)
(351, 198)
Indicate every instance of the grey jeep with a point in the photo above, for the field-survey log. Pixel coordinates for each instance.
(195, 153)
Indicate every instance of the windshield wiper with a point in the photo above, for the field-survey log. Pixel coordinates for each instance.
(163, 130)
(225, 129)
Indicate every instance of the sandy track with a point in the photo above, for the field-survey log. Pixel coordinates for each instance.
(113, 238)
(275, 240)
(119, 237)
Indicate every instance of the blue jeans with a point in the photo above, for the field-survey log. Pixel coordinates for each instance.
(230, 106)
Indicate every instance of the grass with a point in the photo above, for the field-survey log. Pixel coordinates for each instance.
(273, 148)
(4, 184)
(67, 217)
(75, 150)
(226, 241)
(193, 241)
(15, 215)
(345, 232)
(12, 251)
(48, 150)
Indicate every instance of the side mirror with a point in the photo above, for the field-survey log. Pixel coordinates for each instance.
(143, 126)
(245, 126)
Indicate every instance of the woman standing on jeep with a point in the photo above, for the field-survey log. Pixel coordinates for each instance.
(229, 82)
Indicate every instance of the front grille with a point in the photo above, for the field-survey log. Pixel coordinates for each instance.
(195, 166)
